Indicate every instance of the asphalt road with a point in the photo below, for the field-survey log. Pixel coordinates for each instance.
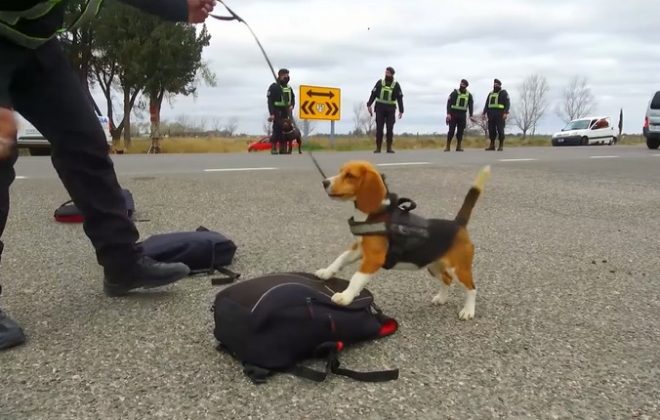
(567, 316)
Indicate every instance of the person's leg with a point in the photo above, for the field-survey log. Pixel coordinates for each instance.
(390, 120)
(380, 123)
(492, 131)
(501, 123)
(49, 95)
(452, 131)
(461, 123)
(11, 334)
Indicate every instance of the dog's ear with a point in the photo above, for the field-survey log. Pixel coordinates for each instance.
(371, 193)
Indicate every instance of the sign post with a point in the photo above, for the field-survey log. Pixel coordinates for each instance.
(320, 103)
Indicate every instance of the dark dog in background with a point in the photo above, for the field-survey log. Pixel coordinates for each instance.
(291, 133)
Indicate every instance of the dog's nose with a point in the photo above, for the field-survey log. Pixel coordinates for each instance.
(326, 183)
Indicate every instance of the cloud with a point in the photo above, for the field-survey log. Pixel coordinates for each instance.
(432, 44)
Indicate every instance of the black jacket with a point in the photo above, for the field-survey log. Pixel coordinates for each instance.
(452, 100)
(171, 10)
(275, 95)
(375, 93)
(503, 99)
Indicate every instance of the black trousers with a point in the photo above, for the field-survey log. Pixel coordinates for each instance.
(41, 86)
(457, 125)
(496, 124)
(385, 116)
(277, 136)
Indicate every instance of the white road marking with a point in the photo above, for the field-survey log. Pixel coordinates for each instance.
(603, 157)
(403, 164)
(21, 177)
(517, 160)
(239, 169)
(656, 155)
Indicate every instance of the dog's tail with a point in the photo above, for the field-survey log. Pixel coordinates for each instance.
(464, 214)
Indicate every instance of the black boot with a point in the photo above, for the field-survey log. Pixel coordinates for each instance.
(389, 147)
(273, 149)
(448, 146)
(11, 334)
(458, 146)
(499, 149)
(145, 273)
(379, 145)
(492, 145)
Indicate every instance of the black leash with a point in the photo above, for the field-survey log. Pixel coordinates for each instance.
(236, 17)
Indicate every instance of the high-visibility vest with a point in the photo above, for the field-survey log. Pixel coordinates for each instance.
(462, 99)
(9, 19)
(285, 101)
(493, 101)
(387, 93)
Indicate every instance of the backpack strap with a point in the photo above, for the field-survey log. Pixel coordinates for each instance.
(231, 277)
(332, 366)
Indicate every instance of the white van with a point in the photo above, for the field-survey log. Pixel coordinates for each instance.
(30, 138)
(652, 122)
(586, 131)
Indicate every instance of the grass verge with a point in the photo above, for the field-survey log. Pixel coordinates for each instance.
(342, 143)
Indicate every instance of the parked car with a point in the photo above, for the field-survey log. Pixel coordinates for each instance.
(262, 144)
(652, 122)
(586, 131)
(30, 138)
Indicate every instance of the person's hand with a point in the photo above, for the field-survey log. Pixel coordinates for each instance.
(371, 111)
(8, 131)
(483, 116)
(448, 119)
(400, 115)
(198, 10)
(506, 115)
(271, 118)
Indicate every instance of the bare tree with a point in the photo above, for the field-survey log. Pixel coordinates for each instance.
(364, 123)
(268, 126)
(532, 103)
(231, 126)
(479, 124)
(308, 128)
(358, 117)
(577, 100)
(215, 123)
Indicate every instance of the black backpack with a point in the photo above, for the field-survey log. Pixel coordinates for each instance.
(204, 251)
(274, 322)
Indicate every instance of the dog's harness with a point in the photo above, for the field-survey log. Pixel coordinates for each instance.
(406, 232)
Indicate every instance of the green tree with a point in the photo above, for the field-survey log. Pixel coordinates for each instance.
(173, 66)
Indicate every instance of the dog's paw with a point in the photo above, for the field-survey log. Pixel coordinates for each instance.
(342, 299)
(324, 274)
(440, 299)
(466, 314)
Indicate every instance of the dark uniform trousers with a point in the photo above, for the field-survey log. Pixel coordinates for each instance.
(496, 124)
(385, 116)
(458, 121)
(41, 86)
(277, 137)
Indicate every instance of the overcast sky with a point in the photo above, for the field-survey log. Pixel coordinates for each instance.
(432, 44)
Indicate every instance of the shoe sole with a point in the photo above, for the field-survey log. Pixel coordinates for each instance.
(118, 291)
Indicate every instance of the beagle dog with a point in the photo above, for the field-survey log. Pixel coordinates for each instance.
(444, 247)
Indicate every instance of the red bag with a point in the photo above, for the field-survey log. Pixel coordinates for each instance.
(69, 213)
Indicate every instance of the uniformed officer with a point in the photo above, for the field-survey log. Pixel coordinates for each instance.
(38, 82)
(497, 111)
(281, 101)
(460, 101)
(387, 94)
